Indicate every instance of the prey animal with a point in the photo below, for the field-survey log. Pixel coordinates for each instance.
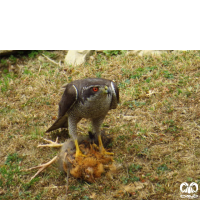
(89, 98)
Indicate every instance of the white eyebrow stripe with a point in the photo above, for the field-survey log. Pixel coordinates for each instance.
(75, 91)
(113, 88)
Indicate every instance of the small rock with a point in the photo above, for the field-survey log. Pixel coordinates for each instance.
(77, 57)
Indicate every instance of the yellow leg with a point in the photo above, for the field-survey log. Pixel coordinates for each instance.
(102, 150)
(78, 151)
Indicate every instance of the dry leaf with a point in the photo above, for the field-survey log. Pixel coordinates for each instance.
(93, 196)
(131, 188)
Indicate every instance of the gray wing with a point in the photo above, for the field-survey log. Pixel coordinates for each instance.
(68, 99)
(115, 95)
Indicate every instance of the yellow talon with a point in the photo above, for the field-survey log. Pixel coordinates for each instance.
(78, 151)
(102, 149)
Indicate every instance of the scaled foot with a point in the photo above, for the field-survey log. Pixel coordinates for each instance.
(78, 151)
(102, 149)
(51, 144)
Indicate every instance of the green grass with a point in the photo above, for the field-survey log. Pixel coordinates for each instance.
(13, 59)
(4, 62)
(6, 80)
(113, 52)
(11, 177)
(33, 54)
(155, 127)
(50, 54)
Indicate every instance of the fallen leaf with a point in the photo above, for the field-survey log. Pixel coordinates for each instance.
(129, 188)
(132, 187)
(93, 195)
(139, 185)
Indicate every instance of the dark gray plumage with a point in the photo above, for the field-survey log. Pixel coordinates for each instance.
(88, 98)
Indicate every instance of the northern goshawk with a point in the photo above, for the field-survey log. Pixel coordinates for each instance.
(89, 98)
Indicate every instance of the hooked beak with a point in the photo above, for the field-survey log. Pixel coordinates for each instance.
(107, 90)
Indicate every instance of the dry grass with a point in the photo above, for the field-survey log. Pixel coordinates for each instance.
(156, 127)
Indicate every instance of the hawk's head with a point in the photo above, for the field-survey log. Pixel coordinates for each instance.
(96, 92)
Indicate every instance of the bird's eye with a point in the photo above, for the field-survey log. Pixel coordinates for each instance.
(95, 89)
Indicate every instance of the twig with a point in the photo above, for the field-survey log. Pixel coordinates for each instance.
(60, 63)
(49, 59)
(42, 167)
(39, 69)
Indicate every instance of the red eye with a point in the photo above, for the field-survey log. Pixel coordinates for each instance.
(95, 89)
